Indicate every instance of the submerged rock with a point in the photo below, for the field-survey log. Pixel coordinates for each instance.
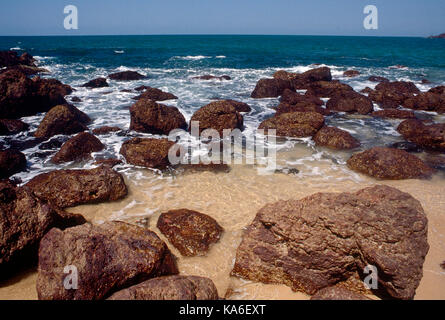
(212, 77)
(96, 83)
(351, 73)
(326, 238)
(105, 130)
(126, 76)
(189, 231)
(77, 148)
(428, 136)
(108, 257)
(67, 188)
(294, 124)
(218, 115)
(378, 79)
(270, 88)
(388, 163)
(155, 94)
(335, 138)
(11, 162)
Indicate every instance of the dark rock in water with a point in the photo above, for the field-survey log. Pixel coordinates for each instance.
(335, 138)
(292, 98)
(67, 188)
(76, 99)
(350, 101)
(96, 83)
(108, 257)
(398, 86)
(218, 115)
(388, 163)
(407, 146)
(303, 80)
(239, 106)
(425, 81)
(111, 162)
(428, 101)
(141, 88)
(147, 152)
(338, 293)
(428, 136)
(294, 124)
(11, 162)
(327, 89)
(211, 77)
(394, 114)
(170, 288)
(151, 117)
(11, 126)
(366, 90)
(155, 95)
(24, 220)
(62, 119)
(126, 76)
(189, 231)
(23, 144)
(105, 130)
(438, 90)
(127, 90)
(78, 148)
(326, 238)
(351, 73)
(301, 107)
(54, 143)
(11, 59)
(378, 79)
(26, 70)
(393, 94)
(270, 88)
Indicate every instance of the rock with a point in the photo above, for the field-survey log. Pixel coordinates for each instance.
(147, 152)
(338, 293)
(68, 188)
(295, 124)
(78, 148)
(211, 77)
(270, 88)
(398, 86)
(303, 80)
(428, 136)
(367, 90)
(105, 130)
(435, 161)
(11, 126)
(155, 95)
(189, 231)
(394, 114)
(426, 101)
(213, 167)
(10, 59)
(351, 73)
(438, 90)
(170, 288)
(239, 106)
(326, 238)
(151, 117)
(108, 257)
(335, 138)
(327, 89)
(301, 107)
(76, 99)
(96, 83)
(350, 101)
(406, 146)
(425, 81)
(218, 115)
(24, 220)
(292, 97)
(11, 162)
(54, 143)
(126, 76)
(62, 119)
(393, 94)
(387, 163)
(50, 92)
(378, 79)
(111, 162)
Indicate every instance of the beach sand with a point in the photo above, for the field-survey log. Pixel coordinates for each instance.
(233, 199)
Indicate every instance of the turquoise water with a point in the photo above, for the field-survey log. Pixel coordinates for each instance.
(171, 62)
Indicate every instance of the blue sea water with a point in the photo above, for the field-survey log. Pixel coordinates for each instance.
(170, 62)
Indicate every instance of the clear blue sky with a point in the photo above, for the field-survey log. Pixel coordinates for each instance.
(314, 17)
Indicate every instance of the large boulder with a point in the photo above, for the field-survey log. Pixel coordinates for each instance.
(11, 162)
(327, 89)
(351, 73)
(426, 101)
(238, 105)
(77, 148)
(430, 136)
(438, 90)
(294, 124)
(270, 88)
(189, 231)
(155, 94)
(389, 163)
(302, 80)
(393, 94)
(11, 58)
(107, 258)
(24, 220)
(338, 293)
(350, 101)
(147, 152)
(12, 126)
(326, 238)
(292, 97)
(335, 138)
(96, 83)
(218, 115)
(170, 288)
(301, 107)
(67, 188)
(62, 119)
(394, 114)
(151, 117)
(398, 86)
(126, 76)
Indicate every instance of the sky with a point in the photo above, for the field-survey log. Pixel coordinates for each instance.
(314, 17)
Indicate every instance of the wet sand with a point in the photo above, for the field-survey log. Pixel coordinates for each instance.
(233, 199)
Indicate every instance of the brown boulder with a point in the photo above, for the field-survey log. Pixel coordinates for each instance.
(77, 148)
(151, 117)
(109, 162)
(378, 79)
(295, 124)
(239, 106)
(105, 130)
(270, 88)
(155, 94)
(335, 138)
(147, 152)
(389, 163)
(393, 94)
(438, 90)
(302, 107)
(62, 119)
(398, 86)
(327, 89)
(428, 136)
(326, 238)
(338, 293)
(218, 115)
(211, 77)
(350, 101)
(68, 188)
(292, 97)
(170, 288)
(303, 80)
(426, 101)
(96, 83)
(189, 231)
(351, 73)
(11, 162)
(108, 257)
(126, 76)
(12, 126)
(394, 114)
